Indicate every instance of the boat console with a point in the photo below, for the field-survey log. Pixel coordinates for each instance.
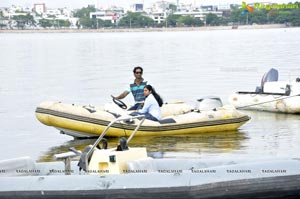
(94, 160)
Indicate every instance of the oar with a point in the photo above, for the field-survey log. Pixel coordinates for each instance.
(241, 107)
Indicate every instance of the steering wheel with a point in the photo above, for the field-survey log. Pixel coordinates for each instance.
(120, 103)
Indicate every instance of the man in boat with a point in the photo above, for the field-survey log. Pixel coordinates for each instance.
(136, 88)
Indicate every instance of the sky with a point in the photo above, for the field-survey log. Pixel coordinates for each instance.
(122, 3)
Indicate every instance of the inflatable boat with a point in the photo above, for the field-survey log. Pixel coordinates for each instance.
(272, 95)
(127, 172)
(177, 119)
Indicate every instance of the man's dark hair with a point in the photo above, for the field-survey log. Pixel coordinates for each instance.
(138, 67)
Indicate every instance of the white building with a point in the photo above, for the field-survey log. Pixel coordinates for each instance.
(161, 6)
(113, 17)
(53, 12)
(158, 17)
(224, 6)
(112, 14)
(39, 8)
(14, 11)
(200, 13)
(138, 7)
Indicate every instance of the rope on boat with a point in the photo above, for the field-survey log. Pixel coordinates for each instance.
(241, 107)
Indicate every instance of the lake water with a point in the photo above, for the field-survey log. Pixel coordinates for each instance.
(86, 68)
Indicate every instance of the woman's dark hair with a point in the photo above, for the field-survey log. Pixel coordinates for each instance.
(138, 67)
(155, 94)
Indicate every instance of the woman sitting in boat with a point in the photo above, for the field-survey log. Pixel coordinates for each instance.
(151, 108)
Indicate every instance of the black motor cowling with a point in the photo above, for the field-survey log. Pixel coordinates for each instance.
(82, 161)
(270, 76)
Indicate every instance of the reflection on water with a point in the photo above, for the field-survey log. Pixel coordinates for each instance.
(179, 145)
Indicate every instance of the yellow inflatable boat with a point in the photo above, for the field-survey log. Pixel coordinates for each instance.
(178, 119)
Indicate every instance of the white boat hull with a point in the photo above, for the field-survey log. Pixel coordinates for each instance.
(165, 178)
(266, 102)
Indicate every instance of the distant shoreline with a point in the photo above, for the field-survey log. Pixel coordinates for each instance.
(204, 28)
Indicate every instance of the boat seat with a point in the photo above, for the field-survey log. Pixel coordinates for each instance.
(167, 121)
(142, 164)
(23, 166)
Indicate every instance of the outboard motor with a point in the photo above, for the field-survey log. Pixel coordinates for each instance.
(288, 89)
(123, 144)
(270, 76)
(209, 103)
(104, 144)
(82, 161)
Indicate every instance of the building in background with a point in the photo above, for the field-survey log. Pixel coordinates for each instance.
(138, 7)
(39, 8)
(159, 11)
(112, 14)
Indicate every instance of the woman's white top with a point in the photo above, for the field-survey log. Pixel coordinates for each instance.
(151, 106)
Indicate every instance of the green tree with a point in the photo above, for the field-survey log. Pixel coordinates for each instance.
(23, 20)
(212, 19)
(263, 16)
(172, 20)
(258, 16)
(189, 21)
(224, 21)
(86, 22)
(84, 17)
(58, 23)
(136, 20)
(45, 23)
(105, 23)
(236, 15)
(295, 17)
(173, 7)
(84, 12)
(2, 25)
(281, 17)
(63, 23)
